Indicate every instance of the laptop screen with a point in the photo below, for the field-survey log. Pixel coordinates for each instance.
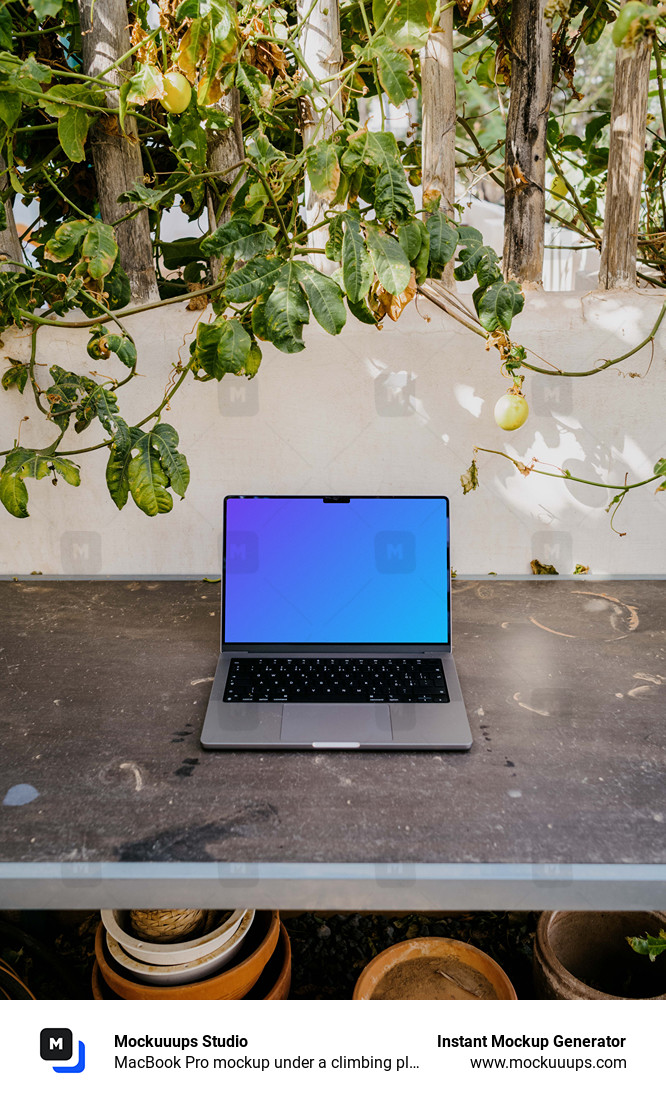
(336, 571)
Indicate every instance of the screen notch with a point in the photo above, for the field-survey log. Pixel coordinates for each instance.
(336, 500)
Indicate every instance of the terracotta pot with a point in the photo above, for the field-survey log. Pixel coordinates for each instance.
(228, 985)
(273, 985)
(100, 989)
(434, 947)
(275, 982)
(585, 957)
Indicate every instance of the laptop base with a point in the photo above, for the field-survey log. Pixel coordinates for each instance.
(394, 727)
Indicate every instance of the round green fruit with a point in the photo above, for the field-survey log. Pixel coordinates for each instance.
(177, 93)
(511, 411)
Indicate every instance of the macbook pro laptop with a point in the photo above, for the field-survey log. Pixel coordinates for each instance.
(336, 627)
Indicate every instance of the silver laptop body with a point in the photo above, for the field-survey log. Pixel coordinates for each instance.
(249, 596)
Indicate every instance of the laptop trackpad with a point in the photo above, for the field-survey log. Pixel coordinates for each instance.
(364, 723)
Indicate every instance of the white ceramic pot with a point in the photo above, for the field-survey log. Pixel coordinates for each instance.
(173, 954)
(183, 972)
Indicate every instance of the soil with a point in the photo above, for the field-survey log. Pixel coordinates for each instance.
(422, 980)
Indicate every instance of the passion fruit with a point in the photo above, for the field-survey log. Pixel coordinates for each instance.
(177, 93)
(511, 411)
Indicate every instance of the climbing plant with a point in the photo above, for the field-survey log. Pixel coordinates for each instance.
(111, 114)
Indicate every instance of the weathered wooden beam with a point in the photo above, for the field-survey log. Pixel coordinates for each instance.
(321, 46)
(117, 156)
(10, 245)
(438, 112)
(625, 166)
(525, 157)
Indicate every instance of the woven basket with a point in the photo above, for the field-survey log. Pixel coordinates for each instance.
(167, 925)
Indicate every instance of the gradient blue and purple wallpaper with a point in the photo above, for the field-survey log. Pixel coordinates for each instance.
(302, 570)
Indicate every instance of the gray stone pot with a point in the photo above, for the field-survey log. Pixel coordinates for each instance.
(584, 956)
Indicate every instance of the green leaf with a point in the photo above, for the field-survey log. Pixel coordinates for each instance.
(67, 469)
(660, 468)
(253, 360)
(63, 396)
(252, 279)
(117, 469)
(336, 228)
(72, 133)
(408, 24)
(443, 236)
(66, 239)
(648, 945)
(188, 136)
(498, 304)
(378, 148)
(394, 68)
(21, 463)
(45, 8)
(362, 312)
(106, 409)
(239, 239)
(323, 169)
(10, 106)
(357, 269)
(256, 86)
(177, 253)
(394, 201)
(487, 268)
(6, 30)
(391, 263)
(117, 287)
(153, 198)
(324, 297)
(99, 249)
(471, 252)
(148, 483)
(16, 375)
(286, 311)
(124, 348)
(164, 439)
(13, 493)
(146, 83)
(222, 348)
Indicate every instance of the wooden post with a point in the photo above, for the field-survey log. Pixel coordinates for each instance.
(225, 148)
(10, 245)
(525, 159)
(625, 166)
(438, 108)
(117, 156)
(321, 47)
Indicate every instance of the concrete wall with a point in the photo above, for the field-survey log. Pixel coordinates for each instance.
(368, 412)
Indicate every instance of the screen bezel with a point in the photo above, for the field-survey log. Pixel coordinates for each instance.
(338, 647)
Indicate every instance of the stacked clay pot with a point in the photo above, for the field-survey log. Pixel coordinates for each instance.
(219, 956)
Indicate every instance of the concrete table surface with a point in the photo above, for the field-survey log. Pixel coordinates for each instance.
(106, 797)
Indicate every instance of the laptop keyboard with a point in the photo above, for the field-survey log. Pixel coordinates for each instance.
(335, 680)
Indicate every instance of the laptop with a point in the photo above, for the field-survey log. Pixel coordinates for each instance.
(336, 627)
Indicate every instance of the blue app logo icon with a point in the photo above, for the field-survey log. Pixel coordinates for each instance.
(56, 1044)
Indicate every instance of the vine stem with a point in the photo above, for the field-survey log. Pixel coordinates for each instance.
(128, 312)
(566, 476)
